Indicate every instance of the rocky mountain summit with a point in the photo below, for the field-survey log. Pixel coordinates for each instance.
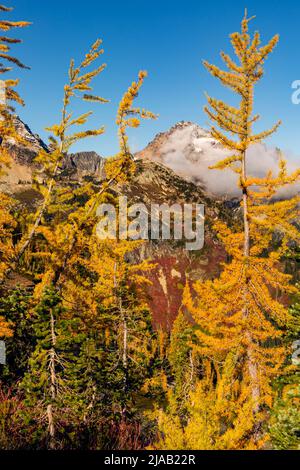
(190, 151)
(25, 154)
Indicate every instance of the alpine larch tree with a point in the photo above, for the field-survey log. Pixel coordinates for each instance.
(8, 97)
(91, 321)
(238, 313)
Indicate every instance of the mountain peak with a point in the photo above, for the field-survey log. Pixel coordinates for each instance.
(190, 151)
(25, 154)
(183, 148)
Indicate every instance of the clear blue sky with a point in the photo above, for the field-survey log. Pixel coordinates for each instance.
(168, 38)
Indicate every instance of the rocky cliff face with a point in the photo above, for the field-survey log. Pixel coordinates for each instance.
(82, 164)
(174, 265)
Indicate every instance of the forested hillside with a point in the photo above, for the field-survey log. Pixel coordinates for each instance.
(129, 344)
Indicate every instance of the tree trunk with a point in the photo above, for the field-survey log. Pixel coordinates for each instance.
(53, 383)
(124, 357)
(252, 366)
(124, 334)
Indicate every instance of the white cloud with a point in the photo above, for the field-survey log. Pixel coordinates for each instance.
(189, 151)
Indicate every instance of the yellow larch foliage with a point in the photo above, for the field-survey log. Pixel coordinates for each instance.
(240, 311)
(98, 280)
(7, 87)
(209, 413)
(8, 95)
(64, 243)
(7, 224)
(63, 138)
(128, 116)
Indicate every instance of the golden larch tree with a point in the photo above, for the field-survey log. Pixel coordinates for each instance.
(239, 311)
(63, 137)
(8, 96)
(82, 270)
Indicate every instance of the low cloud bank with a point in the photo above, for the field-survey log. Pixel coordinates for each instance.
(189, 151)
